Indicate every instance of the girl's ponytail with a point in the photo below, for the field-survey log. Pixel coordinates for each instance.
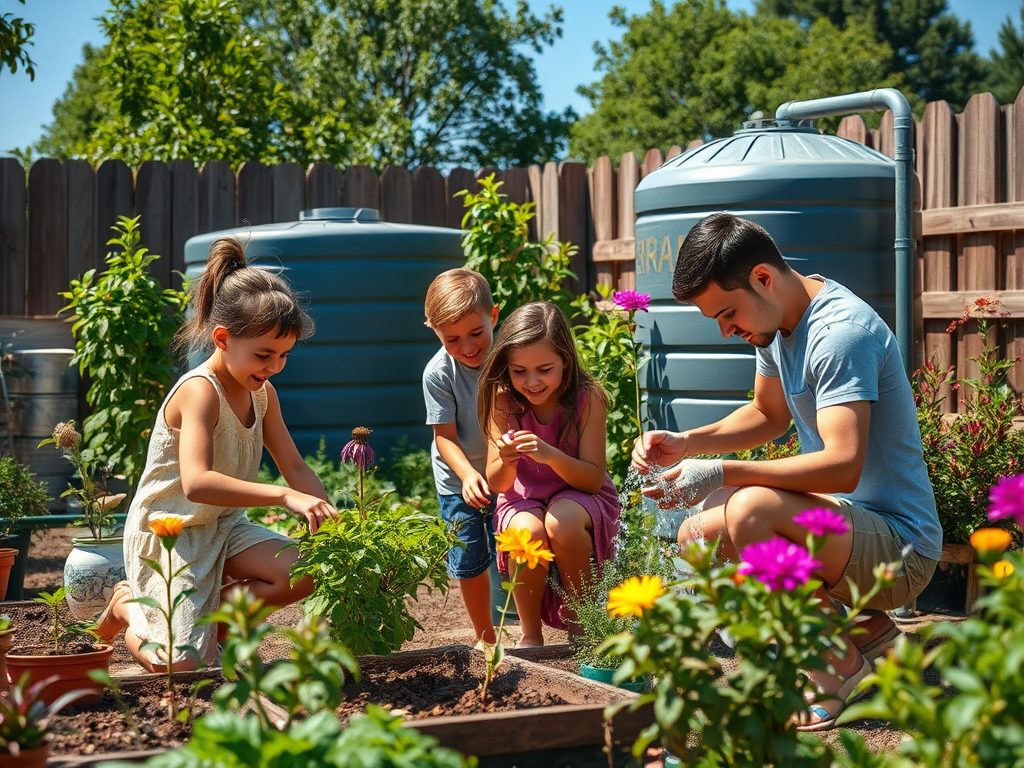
(226, 256)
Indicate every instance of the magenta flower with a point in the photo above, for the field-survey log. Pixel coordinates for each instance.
(779, 563)
(1006, 499)
(631, 301)
(822, 522)
(358, 450)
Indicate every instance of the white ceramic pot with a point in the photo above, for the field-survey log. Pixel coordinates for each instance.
(90, 573)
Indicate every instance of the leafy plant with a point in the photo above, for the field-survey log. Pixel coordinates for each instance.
(25, 716)
(981, 657)
(124, 324)
(20, 494)
(638, 552)
(63, 633)
(365, 567)
(967, 454)
(97, 504)
(498, 246)
(740, 716)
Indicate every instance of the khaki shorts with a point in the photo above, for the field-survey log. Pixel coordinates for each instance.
(875, 542)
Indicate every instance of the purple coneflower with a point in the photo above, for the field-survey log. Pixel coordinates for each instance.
(779, 563)
(1006, 499)
(822, 522)
(357, 450)
(631, 301)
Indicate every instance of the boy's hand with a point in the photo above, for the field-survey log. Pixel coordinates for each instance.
(658, 448)
(475, 491)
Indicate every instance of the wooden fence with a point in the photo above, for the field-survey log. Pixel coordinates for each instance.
(54, 224)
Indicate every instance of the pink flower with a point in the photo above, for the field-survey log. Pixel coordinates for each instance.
(822, 522)
(631, 301)
(358, 450)
(1006, 499)
(779, 563)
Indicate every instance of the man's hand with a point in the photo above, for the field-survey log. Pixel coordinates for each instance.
(658, 448)
(686, 485)
(475, 491)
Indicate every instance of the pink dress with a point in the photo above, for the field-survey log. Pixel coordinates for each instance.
(537, 487)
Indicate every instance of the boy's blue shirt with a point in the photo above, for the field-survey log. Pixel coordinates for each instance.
(450, 392)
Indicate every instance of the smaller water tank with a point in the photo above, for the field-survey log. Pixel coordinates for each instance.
(826, 201)
(366, 281)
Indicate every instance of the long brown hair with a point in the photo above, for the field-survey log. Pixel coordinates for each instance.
(528, 325)
(248, 301)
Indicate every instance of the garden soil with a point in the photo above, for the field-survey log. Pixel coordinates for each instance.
(100, 728)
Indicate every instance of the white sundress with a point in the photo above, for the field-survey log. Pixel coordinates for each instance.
(210, 535)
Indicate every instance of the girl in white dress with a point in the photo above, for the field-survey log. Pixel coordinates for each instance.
(203, 459)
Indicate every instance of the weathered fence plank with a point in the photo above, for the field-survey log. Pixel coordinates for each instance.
(396, 195)
(459, 179)
(549, 207)
(1014, 242)
(536, 176)
(184, 214)
(81, 185)
(359, 188)
(852, 127)
(323, 186)
(602, 215)
(428, 204)
(153, 204)
(517, 185)
(216, 197)
(980, 184)
(573, 212)
(628, 178)
(13, 240)
(255, 194)
(47, 237)
(289, 197)
(115, 195)
(653, 160)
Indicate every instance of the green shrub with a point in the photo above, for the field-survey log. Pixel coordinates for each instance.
(20, 494)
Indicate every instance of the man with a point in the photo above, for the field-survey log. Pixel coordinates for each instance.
(826, 361)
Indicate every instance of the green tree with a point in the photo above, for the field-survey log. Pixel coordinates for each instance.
(1007, 64)
(15, 37)
(425, 81)
(185, 79)
(78, 113)
(698, 71)
(931, 47)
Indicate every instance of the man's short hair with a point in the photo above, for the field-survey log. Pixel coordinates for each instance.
(454, 294)
(722, 249)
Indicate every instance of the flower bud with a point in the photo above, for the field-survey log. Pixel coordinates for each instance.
(65, 436)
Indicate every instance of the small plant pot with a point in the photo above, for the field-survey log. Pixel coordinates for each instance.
(91, 572)
(72, 669)
(6, 641)
(29, 758)
(602, 675)
(7, 558)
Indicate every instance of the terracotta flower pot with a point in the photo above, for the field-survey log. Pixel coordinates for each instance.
(72, 670)
(6, 641)
(29, 758)
(7, 558)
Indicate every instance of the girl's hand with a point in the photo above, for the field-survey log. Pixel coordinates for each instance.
(528, 443)
(314, 510)
(507, 451)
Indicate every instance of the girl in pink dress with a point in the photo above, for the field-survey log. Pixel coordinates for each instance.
(544, 417)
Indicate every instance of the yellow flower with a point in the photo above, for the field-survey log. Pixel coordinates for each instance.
(1002, 569)
(991, 539)
(516, 542)
(634, 595)
(166, 526)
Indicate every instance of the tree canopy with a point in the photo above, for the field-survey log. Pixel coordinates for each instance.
(1007, 71)
(698, 70)
(15, 37)
(405, 82)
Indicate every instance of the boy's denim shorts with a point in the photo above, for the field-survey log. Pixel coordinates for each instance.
(475, 529)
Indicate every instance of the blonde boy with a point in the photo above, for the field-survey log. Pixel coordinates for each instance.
(460, 310)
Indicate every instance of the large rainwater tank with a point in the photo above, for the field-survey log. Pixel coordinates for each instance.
(366, 281)
(827, 202)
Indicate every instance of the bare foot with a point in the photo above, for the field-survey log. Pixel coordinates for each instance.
(114, 618)
(530, 642)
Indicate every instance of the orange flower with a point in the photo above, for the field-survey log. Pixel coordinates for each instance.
(516, 542)
(1002, 569)
(738, 578)
(166, 526)
(991, 539)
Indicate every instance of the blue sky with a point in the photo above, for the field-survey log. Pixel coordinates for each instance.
(63, 26)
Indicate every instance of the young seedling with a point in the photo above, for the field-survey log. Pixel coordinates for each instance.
(63, 633)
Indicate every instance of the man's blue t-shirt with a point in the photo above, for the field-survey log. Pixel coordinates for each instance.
(841, 352)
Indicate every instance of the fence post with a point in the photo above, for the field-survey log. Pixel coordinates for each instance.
(47, 237)
(13, 242)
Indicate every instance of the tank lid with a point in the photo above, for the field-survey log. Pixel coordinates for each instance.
(339, 214)
(770, 123)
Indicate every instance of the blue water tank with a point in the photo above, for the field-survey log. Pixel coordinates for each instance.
(826, 201)
(366, 281)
